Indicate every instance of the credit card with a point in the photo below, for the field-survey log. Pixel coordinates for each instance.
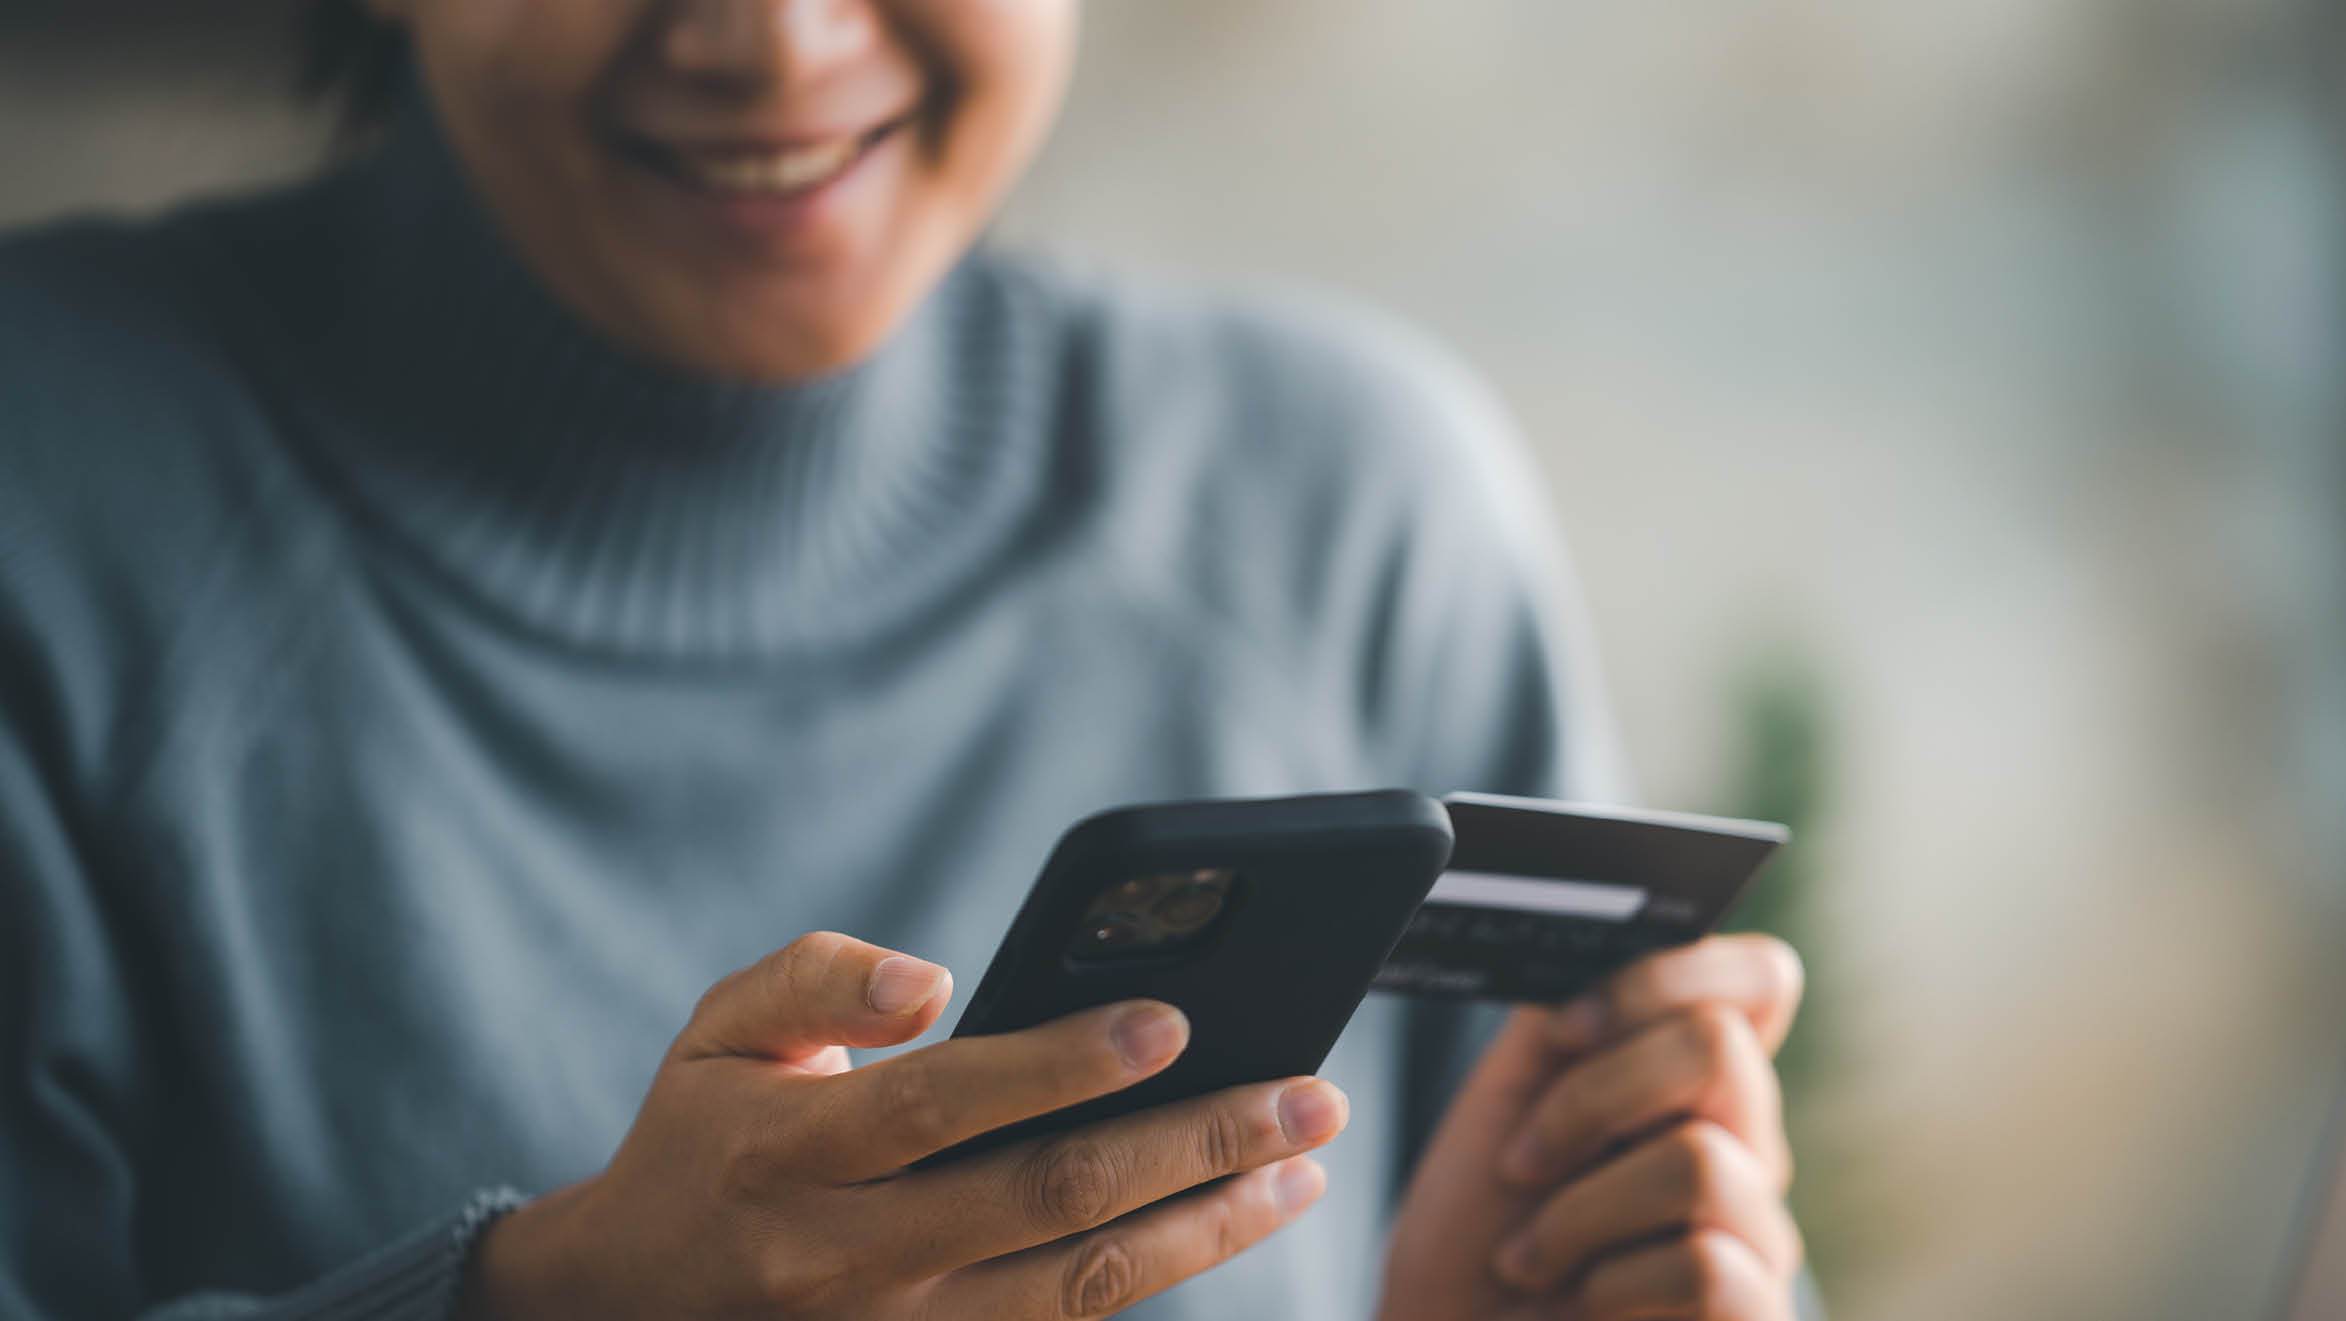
(1542, 898)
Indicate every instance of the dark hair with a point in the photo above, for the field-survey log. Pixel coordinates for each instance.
(352, 62)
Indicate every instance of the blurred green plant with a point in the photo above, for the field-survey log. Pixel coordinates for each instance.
(1783, 772)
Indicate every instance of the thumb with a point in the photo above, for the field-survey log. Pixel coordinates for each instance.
(819, 991)
(1456, 1210)
(1490, 1106)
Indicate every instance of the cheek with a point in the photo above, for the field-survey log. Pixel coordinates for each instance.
(515, 82)
(1000, 68)
(539, 60)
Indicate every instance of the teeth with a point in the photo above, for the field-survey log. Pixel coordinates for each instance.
(771, 172)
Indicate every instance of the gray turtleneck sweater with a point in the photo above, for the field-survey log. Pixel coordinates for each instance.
(409, 703)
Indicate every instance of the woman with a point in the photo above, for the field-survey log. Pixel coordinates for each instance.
(457, 609)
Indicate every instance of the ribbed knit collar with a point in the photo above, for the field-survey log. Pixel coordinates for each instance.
(617, 503)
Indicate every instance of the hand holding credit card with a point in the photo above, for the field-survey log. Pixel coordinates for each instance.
(1543, 898)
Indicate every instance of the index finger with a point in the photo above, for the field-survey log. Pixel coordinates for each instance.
(1044, 1189)
(876, 1120)
(1756, 974)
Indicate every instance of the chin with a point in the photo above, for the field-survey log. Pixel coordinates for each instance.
(800, 332)
(798, 354)
(770, 348)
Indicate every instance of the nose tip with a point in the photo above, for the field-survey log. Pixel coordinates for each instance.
(754, 40)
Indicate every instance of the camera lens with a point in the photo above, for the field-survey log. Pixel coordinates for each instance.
(1189, 908)
(1135, 892)
(1112, 931)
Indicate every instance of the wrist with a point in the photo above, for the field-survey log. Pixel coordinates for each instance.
(516, 1268)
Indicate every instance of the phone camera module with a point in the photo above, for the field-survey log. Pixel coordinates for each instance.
(1157, 913)
(1114, 931)
(1136, 892)
(1189, 908)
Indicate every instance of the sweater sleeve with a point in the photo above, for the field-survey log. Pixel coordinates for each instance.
(75, 1084)
(78, 1080)
(414, 1279)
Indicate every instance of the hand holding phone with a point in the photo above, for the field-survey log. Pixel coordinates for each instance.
(765, 1176)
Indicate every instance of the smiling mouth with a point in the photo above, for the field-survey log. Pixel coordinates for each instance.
(760, 171)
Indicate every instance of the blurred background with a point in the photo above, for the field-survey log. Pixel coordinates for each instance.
(1944, 405)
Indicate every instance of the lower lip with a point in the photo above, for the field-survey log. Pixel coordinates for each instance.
(770, 217)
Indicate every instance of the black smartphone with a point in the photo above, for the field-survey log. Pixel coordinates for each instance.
(1263, 920)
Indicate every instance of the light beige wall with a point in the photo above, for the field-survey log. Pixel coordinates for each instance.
(109, 119)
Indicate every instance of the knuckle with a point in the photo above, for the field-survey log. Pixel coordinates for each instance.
(1709, 1033)
(1102, 1278)
(1787, 974)
(1221, 1141)
(1568, 1113)
(724, 989)
(1795, 1244)
(803, 960)
(792, 1281)
(1068, 1184)
(1084, 1061)
(817, 943)
(1224, 1235)
(913, 1102)
(1702, 1164)
(1635, 993)
(1776, 1163)
(750, 1168)
(779, 1280)
(819, 1274)
(1710, 1264)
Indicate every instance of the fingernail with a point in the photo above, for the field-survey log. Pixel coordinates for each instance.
(1311, 1111)
(1299, 1184)
(900, 985)
(1516, 1263)
(1579, 1024)
(1525, 1160)
(1150, 1035)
